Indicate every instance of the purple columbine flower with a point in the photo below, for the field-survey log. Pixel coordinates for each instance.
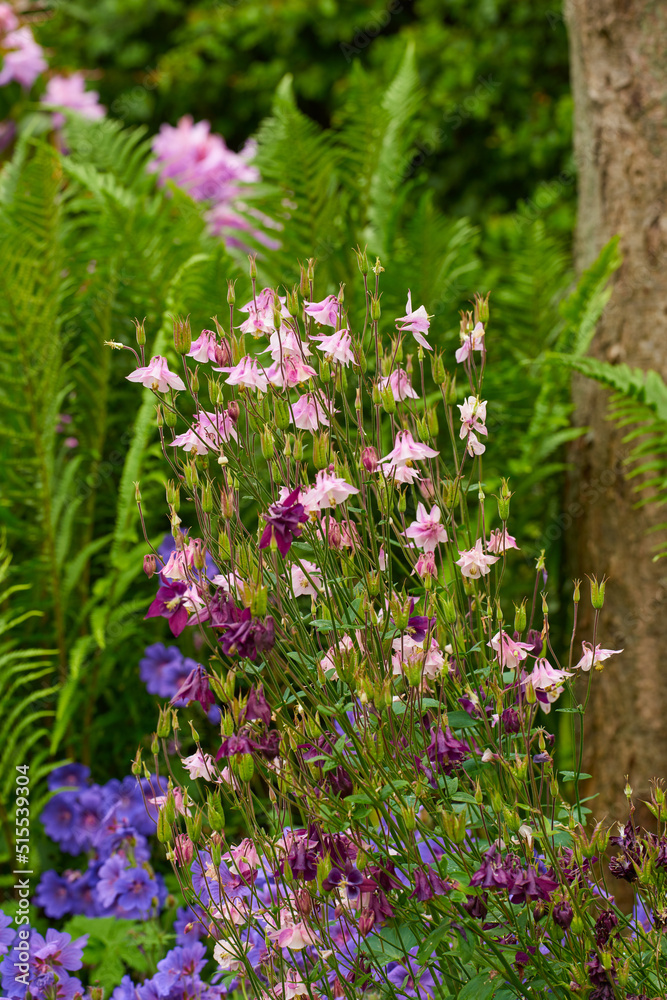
(257, 707)
(351, 879)
(283, 522)
(169, 603)
(195, 687)
(248, 636)
(428, 883)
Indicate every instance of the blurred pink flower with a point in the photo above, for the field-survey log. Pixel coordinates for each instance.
(23, 58)
(70, 92)
(306, 579)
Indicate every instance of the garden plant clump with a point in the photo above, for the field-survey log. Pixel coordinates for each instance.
(355, 779)
(386, 723)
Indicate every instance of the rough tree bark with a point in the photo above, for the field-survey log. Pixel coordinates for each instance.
(619, 79)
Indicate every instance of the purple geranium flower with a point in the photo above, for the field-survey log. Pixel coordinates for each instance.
(54, 895)
(156, 668)
(60, 817)
(57, 951)
(136, 891)
(283, 522)
(178, 967)
(7, 934)
(72, 775)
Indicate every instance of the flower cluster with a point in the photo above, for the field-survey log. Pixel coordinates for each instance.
(23, 59)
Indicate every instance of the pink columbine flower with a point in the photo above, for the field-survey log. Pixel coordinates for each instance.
(203, 348)
(260, 318)
(399, 383)
(156, 375)
(308, 413)
(407, 652)
(290, 372)
(292, 934)
(416, 322)
(547, 683)
(473, 342)
(246, 373)
(508, 652)
(285, 343)
(425, 565)
(23, 58)
(8, 19)
(200, 765)
(406, 449)
(426, 532)
(292, 987)
(590, 659)
(382, 559)
(402, 474)
(499, 541)
(306, 579)
(474, 562)
(70, 92)
(210, 430)
(474, 446)
(325, 312)
(328, 661)
(330, 489)
(337, 347)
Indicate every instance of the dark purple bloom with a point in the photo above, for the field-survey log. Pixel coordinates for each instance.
(351, 880)
(283, 522)
(445, 751)
(71, 775)
(476, 906)
(510, 721)
(248, 636)
(563, 915)
(195, 687)
(428, 883)
(169, 603)
(257, 706)
(604, 925)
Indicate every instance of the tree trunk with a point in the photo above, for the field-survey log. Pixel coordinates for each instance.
(619, 80)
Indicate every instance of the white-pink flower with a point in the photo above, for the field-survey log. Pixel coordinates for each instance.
(474, 446)
(547, 683)
(260, 319)
(399, 383)
(306, 579)
(402, 474)
(200, 765)
(70, 92)
(473, 416)
(308, 413)
(508, 652)
(337, 347)
(290, 372)
(328, 661)
(426, 532)
(246, 373)
(203, 348)
(474, 562)
(325, 312)
(499, 541)
(156, 375)
(406, 449)
(285, 343)
(408, 653)
(23, 59)
(209, 431)
(329, 490)
(591, 659)
(292, 933)
(291, 987)
(473, 342)
(417, 322)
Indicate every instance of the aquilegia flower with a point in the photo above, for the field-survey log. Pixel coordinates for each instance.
(156, 375)
(474, 562)
(426, 532)
(70, 92)
(416, 322)
(594, 659)
(283, 523)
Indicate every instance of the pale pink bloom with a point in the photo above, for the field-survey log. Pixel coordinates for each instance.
(426, 532)
(306, 497)
(337, 347)
(23, 59)
(416, 322)
(402, 474)
(473, 342)
(508, 652)
(590, 659)
(180, 563)
(70, 92)
(328, 661)
(8, 19)
(191, 441)
(325, 312)
(230, 779)
(382, 559)
(308, 584)
(260, 318)
(208, 432)
(474, 562)
(473, 416)
(407, 652)
(499, 541)
(399, 383)
(292, 371)
(330, 489)
(228, 581)
(203, 348)
(290, 988)
(308, 413)
(246, 373)
(547, 681)
(200, 765)
(474, 446)
(245, 852)
(159, 800)
(156, 375)
(425, 565)
(406, 449)
(226, 953)
(285, 343)
(234, 911)
(292, 934)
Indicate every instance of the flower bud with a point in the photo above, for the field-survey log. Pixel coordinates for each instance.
(96, 993)
(450, 391)
(155, 745)
(481, 308)
(438, 372)
(520, 616)
(504, 501)
(362, 259)
(140, 331)
(597, 592)
(402, 503)
(432, 421)
(311, 268)
(321, 450)
(388, 401)
(234, 411)
(184, 849)
(409, 818)
(360, 362)
(164, 723)
(448, 610)
(266, 440)
(136, 764)
(252, 265)
(193, 825)
(170, 417)
(182, 335)
(325, 371)
(297, 449)
(244, 766)
(303, 281)
(223, 353)
(281, 413)
(451, 493)
(376, 311)
(562, 915)
(163, 827)
(293, 301)
(149, 565)
(159, 416)
(231, 292)
(216, 816)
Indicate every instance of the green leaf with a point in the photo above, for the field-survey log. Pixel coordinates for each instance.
(479, 988)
